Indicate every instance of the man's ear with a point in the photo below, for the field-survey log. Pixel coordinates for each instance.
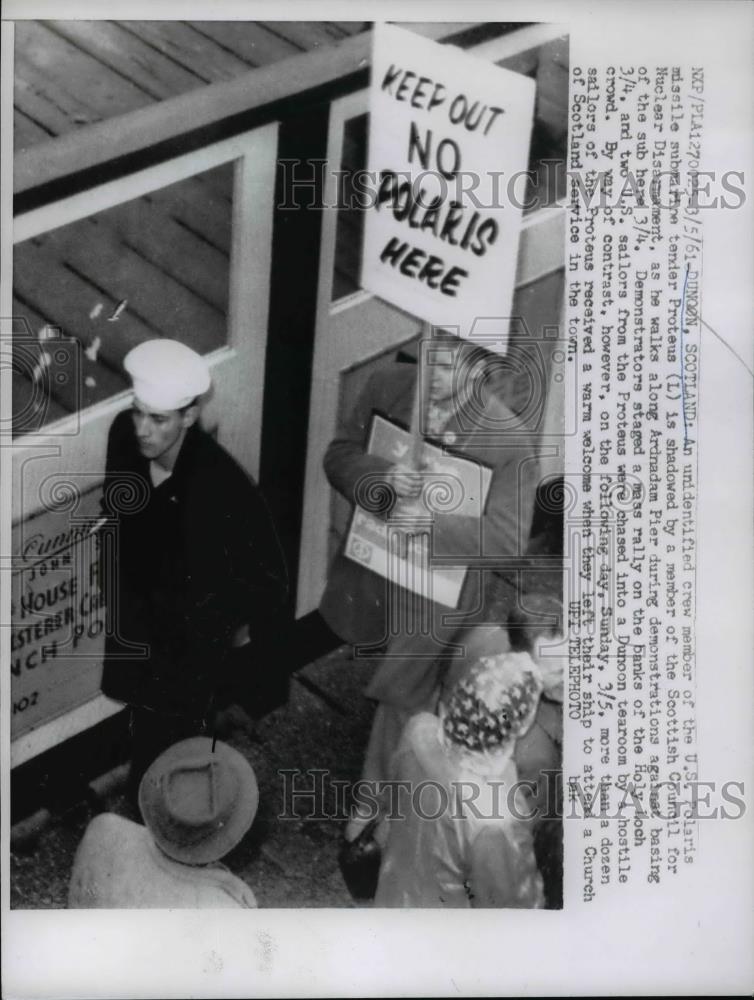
(190, 415)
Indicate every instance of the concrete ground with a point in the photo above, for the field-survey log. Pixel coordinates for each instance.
(288, 859)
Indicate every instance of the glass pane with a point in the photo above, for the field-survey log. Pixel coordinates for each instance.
(349, 238)
(87, 292)
(548, 65)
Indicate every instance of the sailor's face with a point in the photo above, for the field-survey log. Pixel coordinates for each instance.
(159, 433)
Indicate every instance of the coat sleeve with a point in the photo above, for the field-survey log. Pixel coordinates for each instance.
(504, 527)
(238, 577)
(258, 579)
(346, 462)
(243, 578)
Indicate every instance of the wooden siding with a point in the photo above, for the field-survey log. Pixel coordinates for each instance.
(166, 253)
(72, 73)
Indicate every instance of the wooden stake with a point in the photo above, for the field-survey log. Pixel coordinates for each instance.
(416, 409)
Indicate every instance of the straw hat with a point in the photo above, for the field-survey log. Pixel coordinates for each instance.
(198, 803)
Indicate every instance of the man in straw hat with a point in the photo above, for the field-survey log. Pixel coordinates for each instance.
(198, 801)
(192, 570)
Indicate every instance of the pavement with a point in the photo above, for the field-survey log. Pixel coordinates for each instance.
(289, 858)
(299, 753)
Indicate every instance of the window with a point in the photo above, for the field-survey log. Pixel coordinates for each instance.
(88, 291)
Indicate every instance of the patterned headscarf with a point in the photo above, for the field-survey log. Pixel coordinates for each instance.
(494, 703)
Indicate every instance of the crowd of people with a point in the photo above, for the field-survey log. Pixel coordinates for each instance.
(468, 692)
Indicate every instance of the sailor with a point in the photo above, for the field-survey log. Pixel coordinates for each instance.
(192, 569)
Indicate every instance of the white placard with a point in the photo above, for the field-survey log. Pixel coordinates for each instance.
(448, 135)
(454, 487)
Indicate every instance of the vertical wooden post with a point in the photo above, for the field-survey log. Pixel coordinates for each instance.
(419, 400)
(296, 239)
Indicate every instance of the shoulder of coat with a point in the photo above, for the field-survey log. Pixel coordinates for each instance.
(214, 462)
(109, 828)
(505, 417)
(394, 381)
(122, 429)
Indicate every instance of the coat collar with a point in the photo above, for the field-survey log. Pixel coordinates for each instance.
(176, 482)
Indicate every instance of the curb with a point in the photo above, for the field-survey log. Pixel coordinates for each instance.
(30, 827)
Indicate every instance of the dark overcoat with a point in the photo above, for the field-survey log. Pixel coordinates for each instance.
(358, 603)
(184, 565)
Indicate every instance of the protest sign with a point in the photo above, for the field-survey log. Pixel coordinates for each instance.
(448, 143)
(400, 548)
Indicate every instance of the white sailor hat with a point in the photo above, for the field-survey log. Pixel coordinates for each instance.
(166, 374)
